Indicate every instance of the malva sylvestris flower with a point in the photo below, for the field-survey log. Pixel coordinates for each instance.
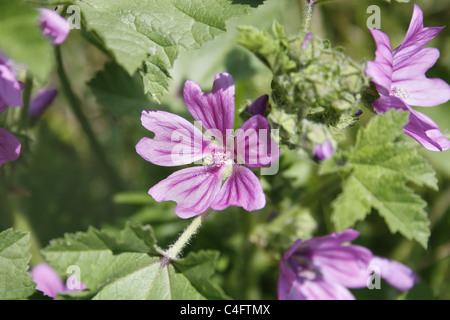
(323, 151)
(10, 87)
(42, 101)
(53, 25)
(9, 147)
(323, 268)
(10, 95)
(48, 282)
(399, 76)
(222, 180)
(259, 106)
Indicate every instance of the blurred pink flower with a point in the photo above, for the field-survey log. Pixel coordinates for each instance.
(53, 25)
(10, 95)
(323, 151)
(259, 106)
(42, 101)
(322, 268)
(50, 283)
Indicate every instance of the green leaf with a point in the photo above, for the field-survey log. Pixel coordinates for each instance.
(117, 91)
(378, 169)
(20, 31)
(15, 280)
(155, 281)
(148, 35)
(198, 267)
(129, 265)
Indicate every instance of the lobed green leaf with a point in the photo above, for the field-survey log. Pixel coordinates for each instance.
(378, 169)
(148, 35)
(15, 280)
(129, 265)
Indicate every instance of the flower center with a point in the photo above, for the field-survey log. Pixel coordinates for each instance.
(304, 268)
(220, 159)
(401, 93)
(307, 274)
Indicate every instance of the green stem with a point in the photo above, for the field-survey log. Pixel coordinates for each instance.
(26, 98)
(75, 105)
(175, 250)
(308, 14)
(249, 282)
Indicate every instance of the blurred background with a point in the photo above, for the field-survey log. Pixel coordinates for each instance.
(60, 186)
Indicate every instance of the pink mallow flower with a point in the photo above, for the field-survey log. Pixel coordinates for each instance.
(53, 25)
(399, 76)
(323, 268)
(9, 147)
(42, 101)
(323, 151)
(259, 106)
(10, 95)
(48, 281)
(10, 87)
(221, 180)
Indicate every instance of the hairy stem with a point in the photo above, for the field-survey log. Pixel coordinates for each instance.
(175, 250)
(75, 105)
(307, 15)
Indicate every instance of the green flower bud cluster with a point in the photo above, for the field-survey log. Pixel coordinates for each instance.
(316, 89)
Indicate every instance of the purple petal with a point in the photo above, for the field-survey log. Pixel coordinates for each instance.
(419, 127)
(9, 147)
(330, 242)
(306, 41)
(334, 239)
(286, 273)
(358, 113)
(259, 106)
(423, 92)
(193, 189)
(426, 132)
(326, 267)
(41, 101)
(10, 88)
(345, 265)
(412, 86)
(214, 110)
(416, 37)
(395, 273)
(386, 103)
(320, 289)
(416, 66)
(47, 280)
(242, 189)
(286, 290)
(323, 151)
(53, 25)
(254, 147)
(176, 141)
(380, 70)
